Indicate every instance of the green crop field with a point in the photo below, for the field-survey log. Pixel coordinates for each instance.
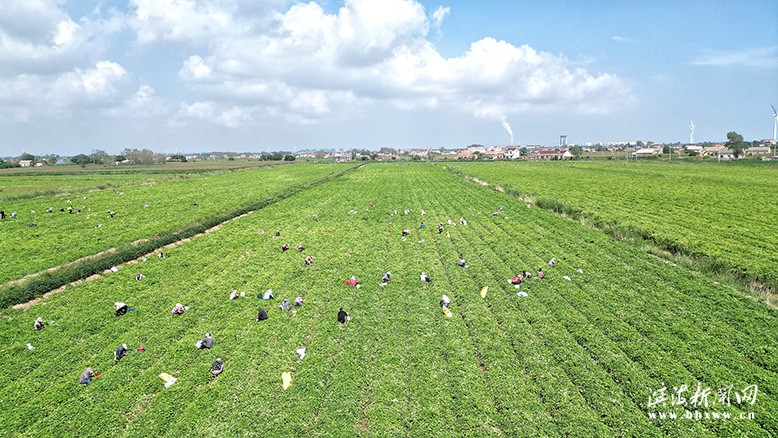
(142, 211)
(726, 213)
(14, 187)
(584, 353)
(30, 182)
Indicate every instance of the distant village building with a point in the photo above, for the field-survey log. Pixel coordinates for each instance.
(647, 152)
(343, 156)
(718, 152)
(25, 163)
(551, 154)
(512, 152)
(418, 152)
(465, 155)
(758, 150)
(449, 152)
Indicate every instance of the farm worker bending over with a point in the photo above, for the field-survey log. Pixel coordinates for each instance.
(207, 342)
(422, 225)
(343, 316)
(440, 228)
(217, 367)
(261, 314)
(38, 325)
(86, 377)
(515, 280)
(424, 277)
(234, 295)
(387, 277)
(462, 263)
(541, 274)
(300, 248)
(285, 247)
(527, 274)
(2, 214)
(308, 260)
(445, 301)
(406, 232)
(285, 305)
(268, 294)
(121, 308)
(552, 262)
(178, 309)
(298, 301)
(120, 352)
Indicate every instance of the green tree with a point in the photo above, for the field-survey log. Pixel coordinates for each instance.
(101, 157)
(81, 159)
(736, 144)
(26, 156)
(120, 158)
(289, 157)
(576, 150)
(7, 164)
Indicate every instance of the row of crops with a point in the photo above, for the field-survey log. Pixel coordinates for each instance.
(84, 223)
(579, 357)
(727, 214)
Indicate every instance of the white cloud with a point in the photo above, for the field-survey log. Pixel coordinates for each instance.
(143, 104)
(197, 22)
(39, 37)
(63, 95)
(221, 115)
(438, 15)
(621, 39)
(764, 57)
(378, 50)
(99, 83)
(195, 69)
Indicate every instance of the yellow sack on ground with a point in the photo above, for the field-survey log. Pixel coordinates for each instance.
(483, 291)
(168, 379)
(446, 312)
(286, 378)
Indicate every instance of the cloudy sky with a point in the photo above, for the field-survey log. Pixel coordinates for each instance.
(247, 75)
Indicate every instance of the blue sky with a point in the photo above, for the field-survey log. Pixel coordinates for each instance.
(247, 75)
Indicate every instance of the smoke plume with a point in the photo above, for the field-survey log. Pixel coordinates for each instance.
(507, 127)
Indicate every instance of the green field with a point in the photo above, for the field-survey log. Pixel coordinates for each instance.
(29, 182)
(573, 358)
(727, 214)
(60, 237)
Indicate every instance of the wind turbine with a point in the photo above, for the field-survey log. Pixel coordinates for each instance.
(691, 133)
